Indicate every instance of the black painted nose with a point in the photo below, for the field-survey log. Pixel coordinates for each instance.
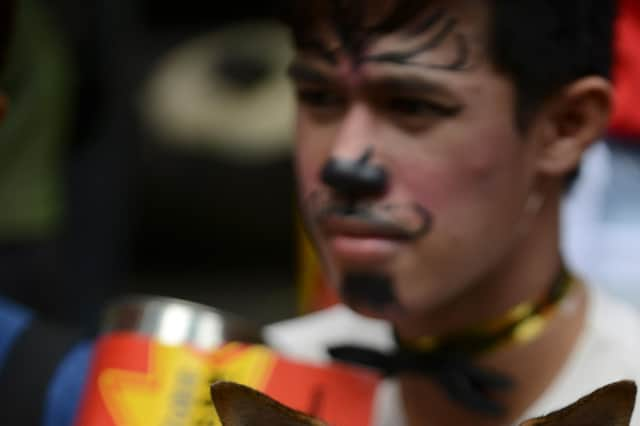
(355, 178)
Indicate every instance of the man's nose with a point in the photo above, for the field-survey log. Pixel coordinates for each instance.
(350, 171)
(355, 178)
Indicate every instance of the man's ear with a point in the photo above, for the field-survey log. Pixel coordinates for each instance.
(575, 118)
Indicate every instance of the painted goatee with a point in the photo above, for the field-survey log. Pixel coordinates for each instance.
(374, 291)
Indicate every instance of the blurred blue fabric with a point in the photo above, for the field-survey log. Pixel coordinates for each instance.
(601, 219)
(66, 385)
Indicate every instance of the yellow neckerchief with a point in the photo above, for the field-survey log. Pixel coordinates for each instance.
(521, 324)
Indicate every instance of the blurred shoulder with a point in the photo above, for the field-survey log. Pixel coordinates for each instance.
(607, 351)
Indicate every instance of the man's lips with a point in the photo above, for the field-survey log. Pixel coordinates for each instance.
(361, 233)
(362, 242)
(355, 227)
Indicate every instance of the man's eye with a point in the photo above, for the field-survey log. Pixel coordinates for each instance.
(319, 98)
(420, 107)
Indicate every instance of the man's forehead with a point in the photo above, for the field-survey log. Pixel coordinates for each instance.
(444, 36)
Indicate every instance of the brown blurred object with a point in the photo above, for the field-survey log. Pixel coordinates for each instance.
(212, 212)
(144, 213)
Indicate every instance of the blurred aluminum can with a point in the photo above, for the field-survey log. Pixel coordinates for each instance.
(156, 358)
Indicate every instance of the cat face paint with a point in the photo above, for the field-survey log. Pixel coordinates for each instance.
(405, 222)
(346, 219)
(367, 291)
(436, 28)
(414, 171)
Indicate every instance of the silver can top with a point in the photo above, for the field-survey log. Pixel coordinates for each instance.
(178, 322)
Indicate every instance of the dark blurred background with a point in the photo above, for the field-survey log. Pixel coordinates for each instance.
(127, 200)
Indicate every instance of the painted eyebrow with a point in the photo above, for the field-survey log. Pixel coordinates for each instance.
(463, 58)
(405, 57)
(299, 72)
(407, 85)
(429, 22)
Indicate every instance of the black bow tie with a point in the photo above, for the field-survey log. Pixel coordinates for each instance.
(460, 379)
(450, 362)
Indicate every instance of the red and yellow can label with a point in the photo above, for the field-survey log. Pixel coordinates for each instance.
(138, 382)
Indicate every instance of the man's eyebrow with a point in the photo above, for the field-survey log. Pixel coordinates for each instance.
(303, 73)
(407, 84)
(300, 72)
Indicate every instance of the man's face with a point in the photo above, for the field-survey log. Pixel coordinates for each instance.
(412, 174)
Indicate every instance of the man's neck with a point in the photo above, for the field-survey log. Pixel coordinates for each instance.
(532, 367)
(527, 274)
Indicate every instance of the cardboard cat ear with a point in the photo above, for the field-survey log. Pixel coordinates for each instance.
(239, 405)
(611, 405)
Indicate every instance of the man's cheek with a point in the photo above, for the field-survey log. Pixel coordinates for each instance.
(308, 183)
(307, 169)
(431, 190)
(445, 186)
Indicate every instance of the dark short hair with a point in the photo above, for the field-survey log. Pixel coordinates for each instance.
(541, 45)
(7, 17)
